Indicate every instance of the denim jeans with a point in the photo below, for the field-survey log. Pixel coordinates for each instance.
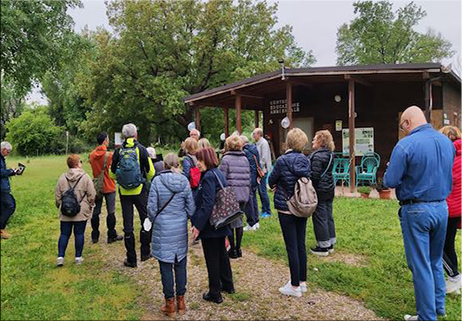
(263, 192)
(424, 231)
(79, 236)
(323, 224)
(166, 272)
(251, 207)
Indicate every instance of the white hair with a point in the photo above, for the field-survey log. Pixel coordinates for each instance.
(258, 131)
(245, 139)
(129, 130)
(195, 130)
(151, 152)
(7, 146)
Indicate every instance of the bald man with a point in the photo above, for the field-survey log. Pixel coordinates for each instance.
(421, 171)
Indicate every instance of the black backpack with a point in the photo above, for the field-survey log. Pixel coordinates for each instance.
(70, 206)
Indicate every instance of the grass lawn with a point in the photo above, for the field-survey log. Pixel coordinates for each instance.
(368, 231)
(33, 288)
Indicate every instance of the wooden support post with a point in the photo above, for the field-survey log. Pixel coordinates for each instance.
(289, 102)
(428, 100)
(238, 114)
(351, 129)
(226, 114)
(257, 119)
(197, 118)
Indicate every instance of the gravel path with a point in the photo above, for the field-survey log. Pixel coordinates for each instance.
(257, 297)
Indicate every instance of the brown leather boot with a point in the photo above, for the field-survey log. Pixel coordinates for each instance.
(169, 308)
(180, 305)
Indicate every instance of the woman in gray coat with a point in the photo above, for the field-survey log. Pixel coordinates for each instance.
(236, 170)
(170, 204)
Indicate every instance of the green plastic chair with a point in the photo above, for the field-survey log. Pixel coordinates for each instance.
(341, 170)
(367, 171)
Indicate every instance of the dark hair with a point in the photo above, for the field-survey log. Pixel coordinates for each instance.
(101, 137)
(208, 156)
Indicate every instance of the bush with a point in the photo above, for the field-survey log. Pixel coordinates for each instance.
(34, 133)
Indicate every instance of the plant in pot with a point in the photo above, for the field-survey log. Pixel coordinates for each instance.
(365, 191)
(384, 191)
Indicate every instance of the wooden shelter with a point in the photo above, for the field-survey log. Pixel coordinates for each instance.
(347, 100)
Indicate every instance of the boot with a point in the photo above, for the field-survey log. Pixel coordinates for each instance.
(180, 305)
(169, 308)
(5, 235)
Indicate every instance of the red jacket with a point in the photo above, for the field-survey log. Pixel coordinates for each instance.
(97, 162)
(454, 200)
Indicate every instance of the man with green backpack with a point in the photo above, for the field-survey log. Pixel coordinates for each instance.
(132, 168)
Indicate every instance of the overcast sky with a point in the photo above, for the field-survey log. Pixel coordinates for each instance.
(315, 23)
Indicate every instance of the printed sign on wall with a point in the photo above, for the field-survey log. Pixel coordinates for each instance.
(280, 106)
(364, 140)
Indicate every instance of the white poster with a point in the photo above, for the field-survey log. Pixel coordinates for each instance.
(117, 139)
(364, 140)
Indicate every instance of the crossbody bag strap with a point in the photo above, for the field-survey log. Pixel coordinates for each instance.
(106, 157)
(328, 165)
(219, 181)
(164, 206)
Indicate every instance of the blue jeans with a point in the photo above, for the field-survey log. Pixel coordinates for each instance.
(263, 192)
(167, 278)
(79, 236)
(424, 232)
(251, 208)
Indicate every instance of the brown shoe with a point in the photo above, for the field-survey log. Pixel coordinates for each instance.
(169, 308)
(5, 235)
(180, 305)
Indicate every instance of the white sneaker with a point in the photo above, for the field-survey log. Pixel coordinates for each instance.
(249, 228)
(408, 317)
(453, 285)
(288, 289)
(78, 260)
(256, 226)
(60, 261)
(303, 287)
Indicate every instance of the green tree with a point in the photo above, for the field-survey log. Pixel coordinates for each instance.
(34, 133)
(32, 39)
(12, 106)
(379, 35)
(164, 50)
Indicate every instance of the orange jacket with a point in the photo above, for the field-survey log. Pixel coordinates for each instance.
(97, 163)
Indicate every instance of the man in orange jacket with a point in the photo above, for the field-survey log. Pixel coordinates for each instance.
(100, 158)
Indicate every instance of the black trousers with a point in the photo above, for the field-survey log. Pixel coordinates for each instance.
(449, 254)
(294, 233)
(110, 219)
(140, 202)
(8, 207)
(323, 224)
(251, 207)
(218, 266)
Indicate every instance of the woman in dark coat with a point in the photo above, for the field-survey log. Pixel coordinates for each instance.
(213, 241)
(236, 169)
(288, 169)
(251, 208)
(322, 162)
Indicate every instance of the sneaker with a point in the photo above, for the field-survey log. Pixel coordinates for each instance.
(256, 226)
(288, 289)
(249, 228)
(60, 261)
(330, 249)
(408, 317)
(265, 215)
(303, 287)
(320, 251)
(453, 284)
(78, 260)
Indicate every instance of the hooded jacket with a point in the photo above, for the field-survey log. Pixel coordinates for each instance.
(170, 227)
(250, 151)
(320, 160)
(84, 191)
(287, 170)
(97, 163)
(5, 176)
(454, 199)
(236, 169)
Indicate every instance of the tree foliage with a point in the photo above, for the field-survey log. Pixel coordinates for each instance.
(164, 50)
(379, 35)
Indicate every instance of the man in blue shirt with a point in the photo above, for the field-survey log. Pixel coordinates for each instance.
(421, 171)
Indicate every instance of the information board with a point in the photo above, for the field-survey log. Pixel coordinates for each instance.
(280, 106)
(364, 140)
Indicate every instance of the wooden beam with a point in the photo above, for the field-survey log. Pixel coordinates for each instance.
(289, 102)
(428, 100)
(257, 119)
(351, 129)
(238, 113)
(246, 95)
(296, 81)
(197, 118)
(358, 79)
(226, 114)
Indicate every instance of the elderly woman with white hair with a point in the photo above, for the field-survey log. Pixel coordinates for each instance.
(7, 200)
(158, 163)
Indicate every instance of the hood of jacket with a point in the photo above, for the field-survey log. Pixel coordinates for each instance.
(99, 152)
(175, 182)
(251, 148)
(457, 146)
(73, 174)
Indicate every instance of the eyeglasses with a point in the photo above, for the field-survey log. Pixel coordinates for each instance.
(401, 125)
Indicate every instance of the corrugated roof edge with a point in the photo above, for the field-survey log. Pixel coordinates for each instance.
(314, 70)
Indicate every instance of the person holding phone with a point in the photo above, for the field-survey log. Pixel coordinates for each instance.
(7, 200)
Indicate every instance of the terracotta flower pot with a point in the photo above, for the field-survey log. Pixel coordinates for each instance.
(364, 195)
(385, 194)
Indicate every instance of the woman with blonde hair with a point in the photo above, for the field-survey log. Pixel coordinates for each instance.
(453, 284)
(236, 169)
(322, 163)
(190, 169)
(204, 143)
(288, 169)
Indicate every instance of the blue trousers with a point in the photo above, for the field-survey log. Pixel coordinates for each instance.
(424, 231)
(263, 192)
(251, 208)
(166, 272)
(79, 236)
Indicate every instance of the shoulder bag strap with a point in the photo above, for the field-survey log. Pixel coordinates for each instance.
(328, 165)
(106, 156)
(163, 207)
(219, 181)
